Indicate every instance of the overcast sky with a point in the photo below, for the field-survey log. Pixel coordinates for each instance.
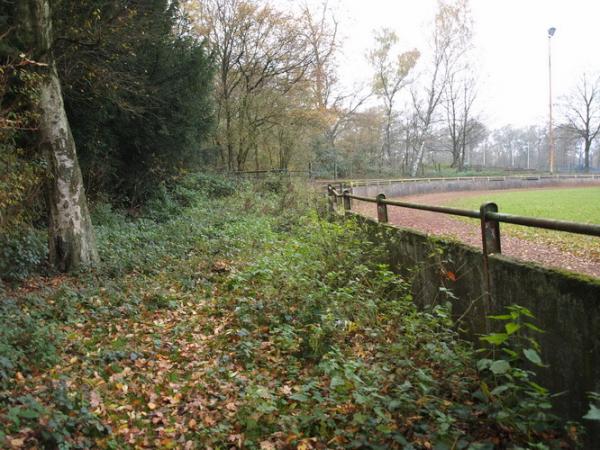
(511, 47)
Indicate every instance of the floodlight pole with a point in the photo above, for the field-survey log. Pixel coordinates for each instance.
(551, 32)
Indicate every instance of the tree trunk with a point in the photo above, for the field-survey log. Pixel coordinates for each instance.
(388, 135)
(418, 158)
(256, 163)
(72, 243)
(588, 145)
(414, 170)
(455, 160)
(228, 135)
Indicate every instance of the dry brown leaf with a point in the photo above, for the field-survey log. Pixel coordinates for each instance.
(221, 266)
(95, 399)
(17, 443)
(267, 445)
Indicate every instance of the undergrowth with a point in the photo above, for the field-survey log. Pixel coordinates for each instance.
(246, 320)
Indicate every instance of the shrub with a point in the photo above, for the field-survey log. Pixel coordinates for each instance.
(275, 184)
(21, 253)
(103, 213)
(161, 207)
(214, 186)
(516, 400)
(167, 202)
(66, 424)
(26, 340)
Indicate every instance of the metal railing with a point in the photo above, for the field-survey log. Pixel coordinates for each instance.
(267, 172)
(488, 215)
(528, 177)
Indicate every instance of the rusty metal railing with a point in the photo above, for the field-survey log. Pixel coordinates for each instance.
(488, 215)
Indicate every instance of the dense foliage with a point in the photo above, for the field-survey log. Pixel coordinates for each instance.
(136, 87)
(22, 248)
(248, 321)
(137, 91)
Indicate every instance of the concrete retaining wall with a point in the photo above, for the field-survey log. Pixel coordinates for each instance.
(567, 307)
(400, 188)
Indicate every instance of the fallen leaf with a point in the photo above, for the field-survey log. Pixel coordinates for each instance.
(221, 266)
(95, 399)
(17, 443)
(267, 445)
(231, 406)
(305, 444)
(209, 421)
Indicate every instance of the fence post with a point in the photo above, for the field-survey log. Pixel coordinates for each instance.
(347, 203)
(330, 201)
(490, 238)
(490, 230)
(382, 214)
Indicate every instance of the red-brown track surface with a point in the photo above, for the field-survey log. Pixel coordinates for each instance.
(470, 233)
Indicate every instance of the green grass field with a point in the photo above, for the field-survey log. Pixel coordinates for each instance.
(578, 204)
(574, 204)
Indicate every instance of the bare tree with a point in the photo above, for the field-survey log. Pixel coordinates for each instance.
(460, 95)
(334, 105)
(320, 30)
(582, 114)
(390, 77)
(451, 37)
(72, 243)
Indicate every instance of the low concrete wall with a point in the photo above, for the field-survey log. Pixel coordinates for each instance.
(567, 307)
(400, 188)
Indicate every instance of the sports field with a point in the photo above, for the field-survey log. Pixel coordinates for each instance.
(573, 204)
(567, 251)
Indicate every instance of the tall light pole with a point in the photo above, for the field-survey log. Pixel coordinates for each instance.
(551, 32)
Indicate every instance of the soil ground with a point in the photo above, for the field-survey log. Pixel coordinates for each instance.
(470, 233)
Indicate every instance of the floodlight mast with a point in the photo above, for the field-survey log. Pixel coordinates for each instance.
(551, 32)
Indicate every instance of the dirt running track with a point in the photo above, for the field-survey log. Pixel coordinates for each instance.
(470, 233)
